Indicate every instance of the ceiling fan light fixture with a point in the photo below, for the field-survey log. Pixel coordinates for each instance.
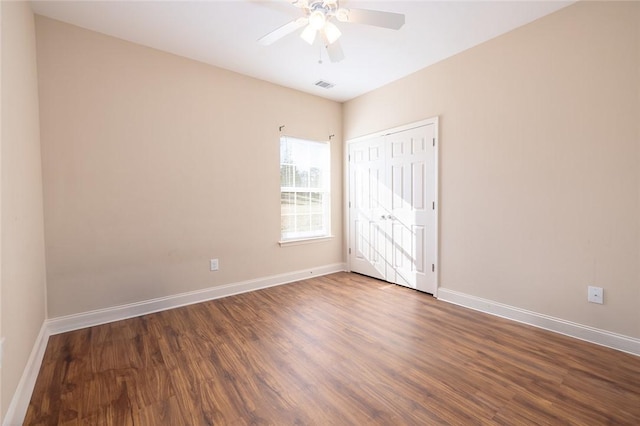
(317, 19)
(309, 34)
(342, 15)
(331, 32)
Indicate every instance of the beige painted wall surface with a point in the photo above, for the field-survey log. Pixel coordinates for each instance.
(2, 411)
(23, 263)
(540, 162)
(153, 164)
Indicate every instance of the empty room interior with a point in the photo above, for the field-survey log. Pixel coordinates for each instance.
(320, 212)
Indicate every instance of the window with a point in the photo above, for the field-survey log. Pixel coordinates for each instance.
(304, 189)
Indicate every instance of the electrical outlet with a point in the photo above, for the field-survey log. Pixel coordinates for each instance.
(595, 295)
(214, 265)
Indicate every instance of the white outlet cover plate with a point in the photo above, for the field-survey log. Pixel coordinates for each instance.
(214, 264)
(595, 294)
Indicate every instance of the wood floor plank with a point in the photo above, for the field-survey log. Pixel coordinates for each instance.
(339, 349)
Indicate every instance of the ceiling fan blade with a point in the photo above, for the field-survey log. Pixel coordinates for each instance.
(377, 18)
(278, 33)
(309, 34)
(334, 50)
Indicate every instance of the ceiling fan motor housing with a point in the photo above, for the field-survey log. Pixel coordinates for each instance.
(322, 8)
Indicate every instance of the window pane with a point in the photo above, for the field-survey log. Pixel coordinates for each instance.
(315, 205)
(303, 224)
(316, 222)
(286, 175)
(285, 152)
(317, 153)
(287, 223)
(287, 203)
(303, 202)
(315, 178)
(302, 178)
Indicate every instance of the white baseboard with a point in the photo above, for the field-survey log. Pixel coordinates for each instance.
(20, 402)
(601, 337)
(117, 313)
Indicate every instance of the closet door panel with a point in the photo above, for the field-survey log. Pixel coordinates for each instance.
(366, 193)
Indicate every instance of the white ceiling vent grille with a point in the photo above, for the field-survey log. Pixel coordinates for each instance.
(324, 84)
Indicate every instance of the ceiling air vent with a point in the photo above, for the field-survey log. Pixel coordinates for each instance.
(324, 84)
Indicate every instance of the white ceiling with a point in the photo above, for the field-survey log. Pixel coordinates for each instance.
(225, 34)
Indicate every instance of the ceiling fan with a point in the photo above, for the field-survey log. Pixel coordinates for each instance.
(318, 17)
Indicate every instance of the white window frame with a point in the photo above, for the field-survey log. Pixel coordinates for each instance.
(324, 191)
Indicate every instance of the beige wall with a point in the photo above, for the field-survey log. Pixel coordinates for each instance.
(2, 410)
(540, 162)
(23, 263)
(153, 164)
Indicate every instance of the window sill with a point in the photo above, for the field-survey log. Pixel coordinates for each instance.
(300, 241)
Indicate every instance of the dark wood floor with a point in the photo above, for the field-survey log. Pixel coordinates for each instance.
(336, 350)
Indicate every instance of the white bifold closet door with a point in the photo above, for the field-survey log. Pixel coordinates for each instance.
(392, 217)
